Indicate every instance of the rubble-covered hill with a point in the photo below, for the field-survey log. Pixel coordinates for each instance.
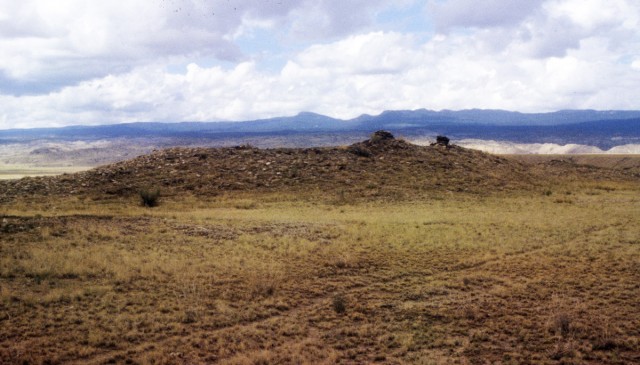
(381, 166)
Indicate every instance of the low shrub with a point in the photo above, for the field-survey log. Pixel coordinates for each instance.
(339, 304)
(562, 324)
(149, 197)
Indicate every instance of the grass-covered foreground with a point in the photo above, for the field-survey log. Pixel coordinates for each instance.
(540, 277)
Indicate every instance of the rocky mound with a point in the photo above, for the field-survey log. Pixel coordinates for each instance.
(380, 166)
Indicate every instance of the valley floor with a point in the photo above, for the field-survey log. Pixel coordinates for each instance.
(8, 172)
(539, 277)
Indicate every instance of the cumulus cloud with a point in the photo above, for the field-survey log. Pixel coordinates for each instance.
(73, 40)
(47, 45)
(542, 28)
(130, 61)
(488, 13)
(321, 18)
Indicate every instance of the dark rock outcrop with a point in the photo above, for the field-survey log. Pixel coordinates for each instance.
(380, 136)
(442, 141)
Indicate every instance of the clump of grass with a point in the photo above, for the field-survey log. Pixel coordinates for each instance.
(339, 304)
(562, 324)
(190, 316)
(150, 197)
(605, 188)
(562, 350)
(264, 280)
(246, 204)
(342, 197)
(264, 286)
(469, 312)
(605, 339)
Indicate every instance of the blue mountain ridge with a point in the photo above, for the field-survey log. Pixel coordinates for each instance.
(599, 128)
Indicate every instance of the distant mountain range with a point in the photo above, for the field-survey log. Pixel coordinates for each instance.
(603, 129)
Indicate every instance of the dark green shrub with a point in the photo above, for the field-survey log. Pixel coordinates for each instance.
(340, 304)
(149, 197)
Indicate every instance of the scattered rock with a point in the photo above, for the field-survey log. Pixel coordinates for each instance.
(382, 166)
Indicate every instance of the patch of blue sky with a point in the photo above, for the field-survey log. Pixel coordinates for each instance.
(270, 49)
(180, 68)
(628, 59)
(409, 19)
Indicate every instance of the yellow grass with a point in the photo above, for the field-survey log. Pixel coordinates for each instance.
(527, 277)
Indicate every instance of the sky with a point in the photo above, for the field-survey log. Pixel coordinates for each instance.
(82, 62)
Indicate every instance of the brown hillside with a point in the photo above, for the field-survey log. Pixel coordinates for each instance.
(379, 166)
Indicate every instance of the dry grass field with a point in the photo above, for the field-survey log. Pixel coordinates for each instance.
(543, 275)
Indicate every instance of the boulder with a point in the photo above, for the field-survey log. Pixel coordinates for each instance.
(380, 136)
(442, 140)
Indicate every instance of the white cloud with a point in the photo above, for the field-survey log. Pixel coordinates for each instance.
(74, 40)
(372, 53)
(321, 18)
(47, 45)
(594, 14)
(78, 63)
(488, 13)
